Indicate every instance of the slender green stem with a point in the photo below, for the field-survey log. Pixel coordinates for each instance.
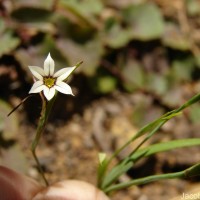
(39, 167)
(46, 108)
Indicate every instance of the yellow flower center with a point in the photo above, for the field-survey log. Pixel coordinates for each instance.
(49, 81)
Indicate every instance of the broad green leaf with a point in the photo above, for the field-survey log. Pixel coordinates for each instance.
(194, 113)
(197, 60)
(106, 84)
(134, 75)
(182, 69)
(145, 21)
(157, 83)
(13, 157)
(115, 35)
(2, 26)
(31, 14)
(11, 153)
(26, 58)
(90, 53)
(174, 96)
(40, 26)
(85, 10)
(8, 42)
(47, 4)
(193, 7)
(35, 15)
(85, 7)
(174, 38)
(9, 127)
(119, 4)
(49, 45)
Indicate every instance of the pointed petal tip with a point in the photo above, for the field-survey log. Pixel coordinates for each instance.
(78, 64)
(72, 94)
(49, 54)
(49, 65)
(63, 87)
(49, 93)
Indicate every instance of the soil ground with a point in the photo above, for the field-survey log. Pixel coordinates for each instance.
(71, 142)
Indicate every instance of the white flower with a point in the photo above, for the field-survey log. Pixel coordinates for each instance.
(48, 81)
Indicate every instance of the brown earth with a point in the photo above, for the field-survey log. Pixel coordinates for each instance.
(70, 145)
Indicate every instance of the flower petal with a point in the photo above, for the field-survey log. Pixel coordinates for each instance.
(62, 74)
(37, 72)
(49, 66)
(37, 87)
(63, 87)
(49, 92)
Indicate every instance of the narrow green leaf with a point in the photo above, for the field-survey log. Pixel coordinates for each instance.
(115, 173)
(144, 180)
(192, 171)
(189, 172)
(165, 146)
(145, 152)
(151, 129)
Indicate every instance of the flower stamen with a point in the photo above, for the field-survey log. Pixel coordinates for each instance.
(49, 81)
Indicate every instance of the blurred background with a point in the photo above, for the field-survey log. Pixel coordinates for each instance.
(141, 58)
